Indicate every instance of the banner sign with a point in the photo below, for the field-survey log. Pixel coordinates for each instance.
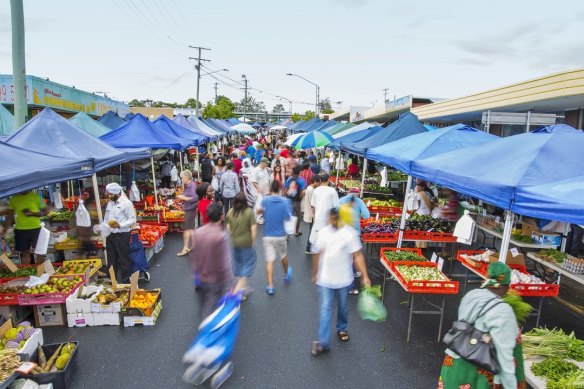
(401, 103)
(40, 92)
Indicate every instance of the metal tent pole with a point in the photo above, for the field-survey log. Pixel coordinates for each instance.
(363, 177)
(402, 223)
(506, 236)
(154, 179)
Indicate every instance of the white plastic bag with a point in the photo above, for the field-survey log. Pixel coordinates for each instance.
(134, 192)
(215, 183)
(35, 281)
(258, 207)
(82, 216)
(383, 183)
(290, 225)
(43, 241)
(58, 200)
(412, 201)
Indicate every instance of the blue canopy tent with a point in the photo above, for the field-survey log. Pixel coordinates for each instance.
(256, 125)
(402, 153)
(165, 124)
(221, 125)
(6, 122)
(184, 122)
(304, 126)
(24, 170)
(87, 124)
(495, 171)
(406, 125)
(233, 121)
(327, 124)
(354, 137)
(111, 119)
(558, 200)
(204, 127)
(139, 132)
(292, 126)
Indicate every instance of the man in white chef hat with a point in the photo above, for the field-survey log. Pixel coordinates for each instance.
(120, 216)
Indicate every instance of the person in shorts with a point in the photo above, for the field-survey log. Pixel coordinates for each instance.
(276, 210)
(190, 201)
(26, 210)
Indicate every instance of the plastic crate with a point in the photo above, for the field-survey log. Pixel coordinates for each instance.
(536, 290)
(11, 298)
(415, 235)
(388, 238)
(415, 250)
(441, 237)
(474, 264)
(69, 244)
(387, 210)
(94, 262)
(422, 286)
(12, 276)
(50, 298)
(61, 379)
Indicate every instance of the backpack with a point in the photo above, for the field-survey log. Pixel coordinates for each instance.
(293, 191)
(206, 168)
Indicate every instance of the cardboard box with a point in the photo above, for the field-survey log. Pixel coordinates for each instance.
(31, 344)
(75, 304)
(130, 321)
(106, 319)
(519, 259)
(50, 315)
(527, 228)
(546, 238)
(18, 313)
(80, 320)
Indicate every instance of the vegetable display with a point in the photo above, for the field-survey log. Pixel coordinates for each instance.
(403, 256)
(574, 380)
(22, 272)
(554, 369)
(9, 361)
(552, 255)
(520, 307)
(553, 343)
(419, 273)
(60, 216)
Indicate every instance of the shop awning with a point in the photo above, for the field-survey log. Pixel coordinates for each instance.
(139, 132)
(405, 126)
(50, 133)
(401, 153)
(87, 124)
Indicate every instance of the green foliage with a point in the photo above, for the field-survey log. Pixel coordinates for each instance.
(278, 108)
(222, 109)
(252, 106)
(190, 103)
(296, 117)
(307, 116)
(326, 106)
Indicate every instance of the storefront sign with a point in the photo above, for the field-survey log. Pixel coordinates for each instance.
(40, 92)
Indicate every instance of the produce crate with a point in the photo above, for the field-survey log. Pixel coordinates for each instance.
(94, 262)
(536, 290)
(441, 237)
(61, 379)
(393, 211)
(480, 266)
(69, 244)
(422, 286)
(11, 298)
(50, 298)
(12, 276)
(127, 311)
(130, 321)
(416, 235)
(414, 250)
(388, 238)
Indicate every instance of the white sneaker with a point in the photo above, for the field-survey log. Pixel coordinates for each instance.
(222, 375)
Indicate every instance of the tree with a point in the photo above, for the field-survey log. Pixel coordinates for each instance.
(136, 103)
(191, 103)
(252, 106)
(308, 115)
(222, 109)
(295, 117)
(278, 108)
(325, 106)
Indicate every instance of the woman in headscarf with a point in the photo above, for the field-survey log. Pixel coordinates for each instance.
(498, 319)
(246, 186)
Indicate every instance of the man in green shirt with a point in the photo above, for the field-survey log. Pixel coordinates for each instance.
(26, 209)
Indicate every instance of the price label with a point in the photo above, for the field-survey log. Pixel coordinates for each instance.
(434, 258)
(440, 263)
(514, 251)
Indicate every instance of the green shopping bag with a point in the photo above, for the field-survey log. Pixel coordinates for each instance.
(370, 306)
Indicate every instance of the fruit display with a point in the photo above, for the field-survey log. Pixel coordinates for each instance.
(396, 175)
(60, 216)
(4, 289)
(150, 233)
(350, 183)
(173, 215)
(420, 273)
(109, 296)
(9, 361)
(21, 272)
(144, 301)
(373, 202)
(56, 362)
(79, 267)
(58, 284)
(376, 188)
(15, 338)
(552, 255)
(403, 256)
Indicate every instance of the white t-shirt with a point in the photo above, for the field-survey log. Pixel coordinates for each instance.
(323, 199)
(336, 248)
(262, 178)
(423, 207)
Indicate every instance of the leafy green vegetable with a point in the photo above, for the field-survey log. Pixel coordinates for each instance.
(520, 307)
(552, 255)
(554, 368)
(393, 256)
(553, 343)
(574, 380)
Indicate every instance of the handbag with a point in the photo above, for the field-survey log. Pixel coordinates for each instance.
(215, 183)
(290, 225)
(473, 345)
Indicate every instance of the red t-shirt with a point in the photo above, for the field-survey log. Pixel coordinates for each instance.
(236, 165)
(202, 208)
(353, 169)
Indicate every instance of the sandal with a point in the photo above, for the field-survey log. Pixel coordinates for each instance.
(183, 253)
(298, 234)
(317, 349)
(343, 336)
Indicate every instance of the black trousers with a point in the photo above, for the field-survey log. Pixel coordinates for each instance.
(574, 244)
(227, 204)
(118, 254)
(308, 239)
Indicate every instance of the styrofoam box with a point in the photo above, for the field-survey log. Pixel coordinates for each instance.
(106, 319)
(105, 308)
(32, 343)
(130, 321)
(78, 305)
(80, 319)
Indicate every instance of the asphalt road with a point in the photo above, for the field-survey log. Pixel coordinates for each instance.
(273, 349)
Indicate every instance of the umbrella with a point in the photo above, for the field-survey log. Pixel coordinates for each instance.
(312, 139)
(279, 127)
(215, 341)
(244, 128)
(292, 138)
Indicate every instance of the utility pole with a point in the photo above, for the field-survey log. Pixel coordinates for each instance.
(18, 63)
(198, 67)
(385, 95)
(316, 113)
(216, 93)
(245, 98)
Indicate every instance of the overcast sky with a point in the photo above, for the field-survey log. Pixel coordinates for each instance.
(351, 48)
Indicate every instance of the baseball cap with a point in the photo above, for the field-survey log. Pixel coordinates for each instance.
(264, 159)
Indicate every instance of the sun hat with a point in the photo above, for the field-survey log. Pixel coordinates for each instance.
(113, 188)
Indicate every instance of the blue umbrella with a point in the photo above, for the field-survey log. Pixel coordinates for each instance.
(215, 341)
(312, 139)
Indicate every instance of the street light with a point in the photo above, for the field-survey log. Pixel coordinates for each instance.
(317, 90)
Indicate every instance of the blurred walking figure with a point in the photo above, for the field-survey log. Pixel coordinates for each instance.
(338, 249)
(165, 173)
(323, 199)
(242, 226)
(308, 214)
(275, 210)
(229, 187)
(190, 202)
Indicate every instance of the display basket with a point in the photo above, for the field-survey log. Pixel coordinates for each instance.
(69, 244)
(536, 290)
(441, 237)
(478, 265)
(415, 235)
(415, 250)
(50, 298)
(11, 298)
(393, 211)
(383, 237)
(94, 262)
(446, 286)
(130, 311)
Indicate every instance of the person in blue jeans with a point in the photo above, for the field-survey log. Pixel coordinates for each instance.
(339, 247)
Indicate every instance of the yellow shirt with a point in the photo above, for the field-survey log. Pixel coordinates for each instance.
(30, 201)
